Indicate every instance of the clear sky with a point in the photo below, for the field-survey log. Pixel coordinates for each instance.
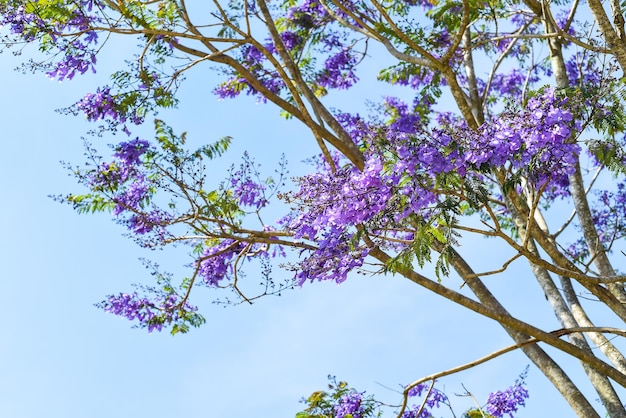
(60, 357)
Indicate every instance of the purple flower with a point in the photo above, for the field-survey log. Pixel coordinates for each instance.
(100, 105)
(345, 198)
(338, 70)
(435, 398)
(402, 120)
(20, 22)
(126, 183)
(231, 88)
(164, 309)
(609, 217)
(508, 401)
(583, 70)
(332, 260)
(291, 40)
(77, 59)
(143, 223)
(129, 153)
(247, 186)
(132, 198)
(349, 404)
(535, 141)
(214, 264)
(511, 84)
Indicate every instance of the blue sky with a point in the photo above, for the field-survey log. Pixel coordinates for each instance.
(62, 357)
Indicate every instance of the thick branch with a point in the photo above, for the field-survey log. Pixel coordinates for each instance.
(498, 353)
(503, 318)
(348, 147)
(596, 249)
(603, 343)
(615, 39)
(540, 358)
(468, 62)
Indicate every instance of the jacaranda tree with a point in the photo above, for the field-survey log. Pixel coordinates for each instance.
(515, 132)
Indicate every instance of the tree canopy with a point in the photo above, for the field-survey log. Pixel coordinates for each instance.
(510, 127)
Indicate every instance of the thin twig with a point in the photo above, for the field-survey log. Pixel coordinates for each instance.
(559, 333)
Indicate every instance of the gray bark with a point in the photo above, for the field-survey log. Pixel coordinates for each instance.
(540, 358)
(600, 382)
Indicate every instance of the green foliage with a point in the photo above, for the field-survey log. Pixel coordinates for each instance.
(403, 73)
(476, 413)
(610, 153)
(447, 14)
(322, 404)
(187, 320)
(138, 92)
(90, 203)
(184, 168)
(427, 235)
(603, 108)
(184, 319)
(475, 193)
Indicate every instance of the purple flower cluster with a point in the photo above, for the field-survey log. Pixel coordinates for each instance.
(329, 204)
(416, 163)
(100, 105)
(610, 214)
(402, 119)
(231, 88)
(349, 405)
(256, 62)
(508, 401)
(78, 59)
(129, 153)
(247, 186)
(583, 71)
(132, 197)
(313, 14)
(143, 223)
(215, 262)
(291, 41)
(20, 22)
(333, 201)
(307, 25)
(154, 314)
(78, 53)
(103, 105)
(124, 168)
(335, 257)
(308, 14)
(510, 84)
(425, 4)
(609, 217)
(435, 399)
(250, 192)
(401, 171)
(561, 20)
(355, 125)
(129, 188)
(537, 141)
(338, 72)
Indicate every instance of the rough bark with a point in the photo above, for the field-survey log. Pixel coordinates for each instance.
(600, 341)
(468, 62)
(539, 357)
(614, 38)
(603, 387)
(596, 249)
